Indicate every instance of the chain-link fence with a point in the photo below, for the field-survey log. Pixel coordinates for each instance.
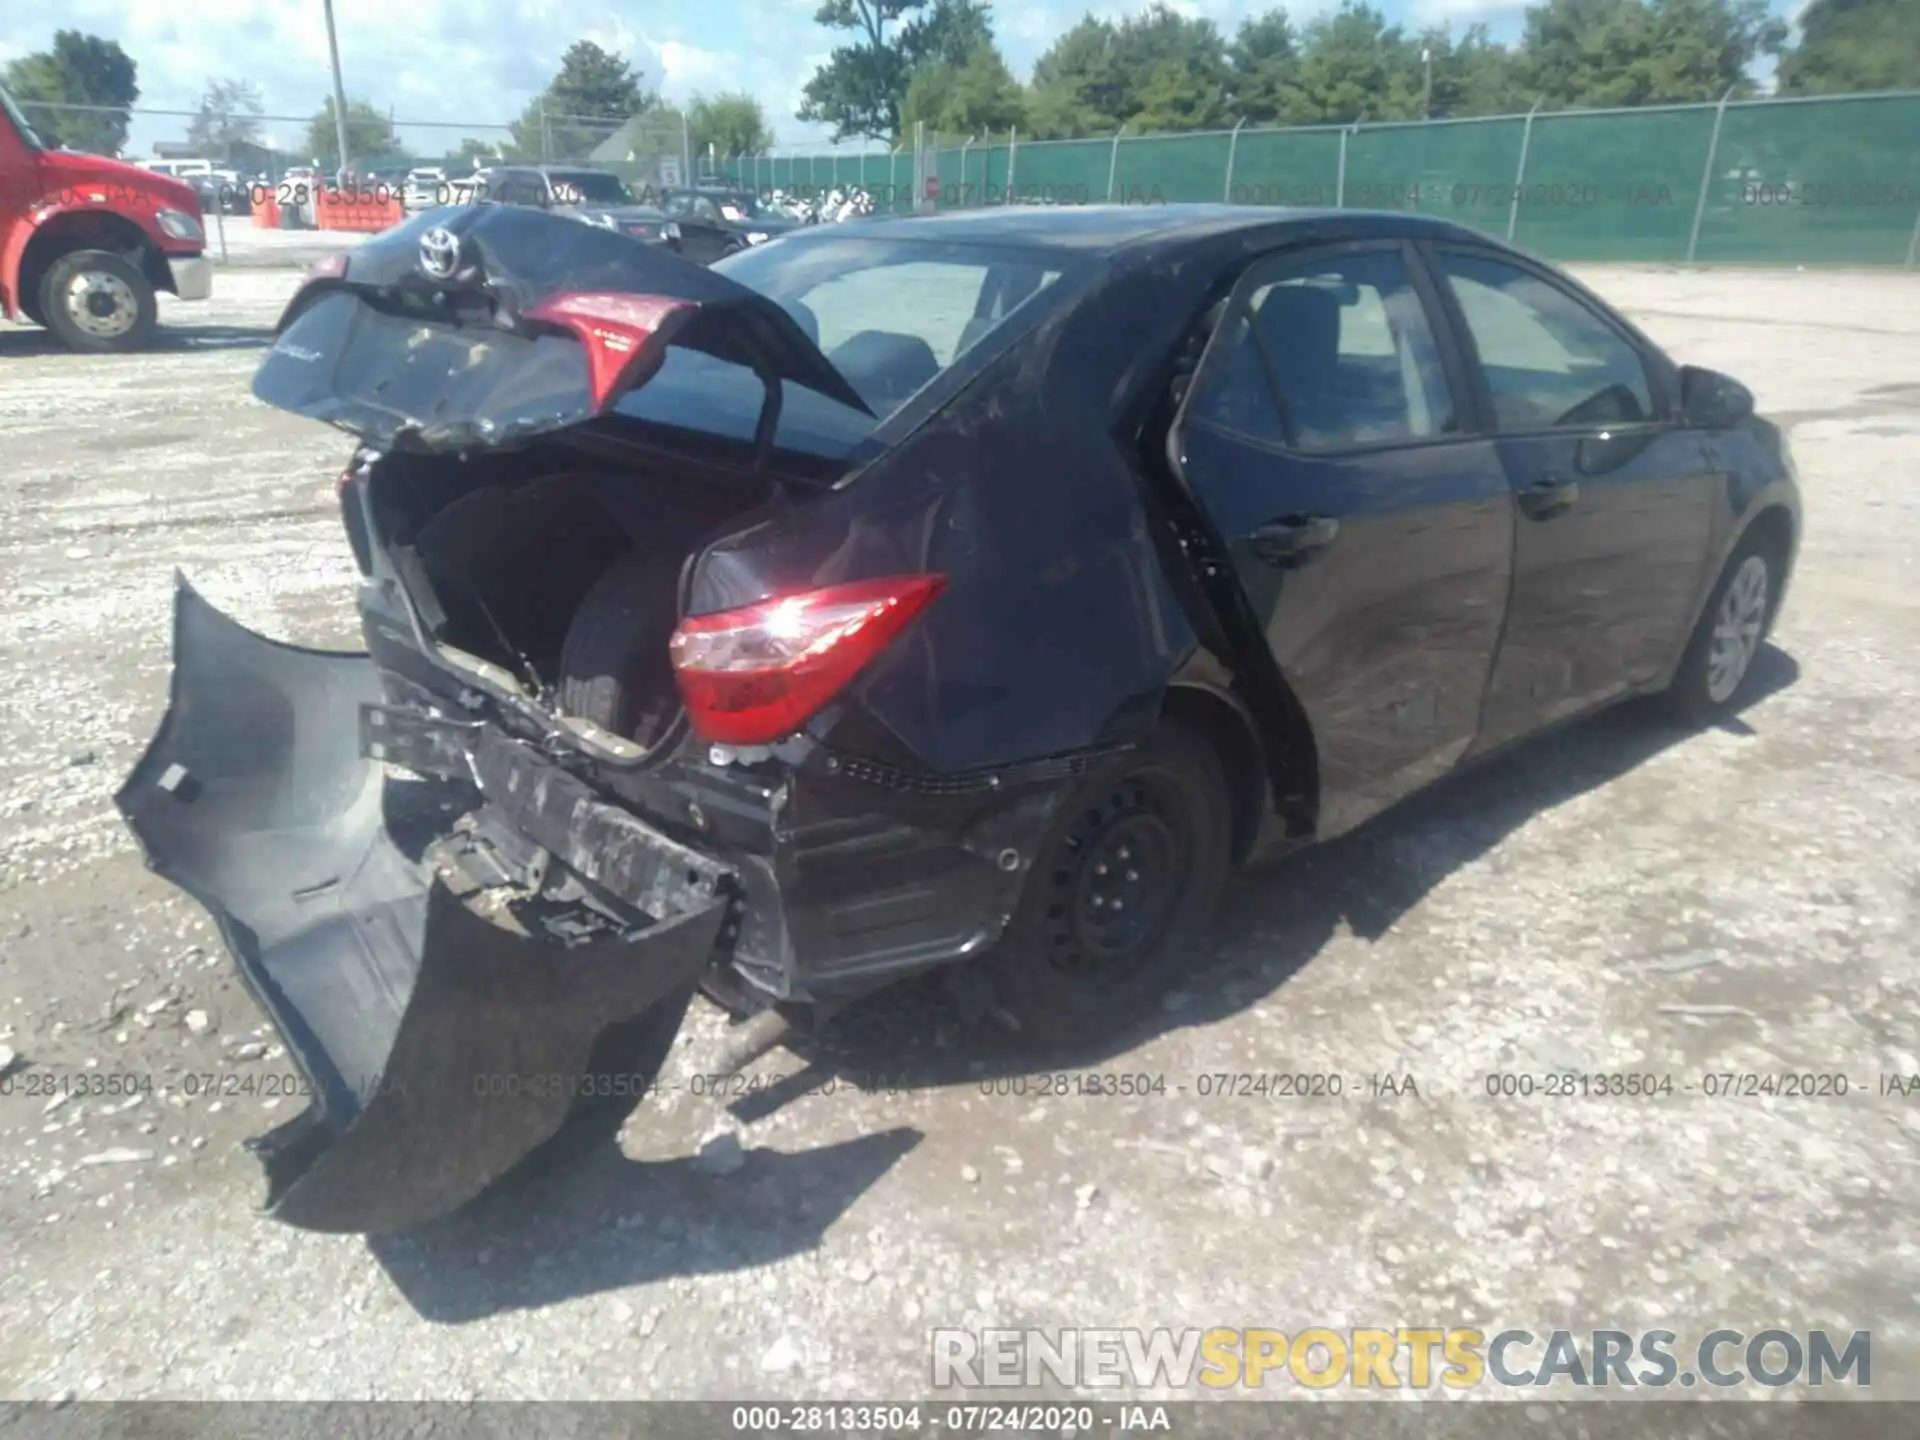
(1825, 180)
(1817, 180)
(652, 146)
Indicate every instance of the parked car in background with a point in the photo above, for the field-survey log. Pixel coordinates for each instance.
(179, 169)
(87, 242)
(218, 188)
(229, 193)
(969, 592)
(422, 188)
(594, 196)
(716, 221)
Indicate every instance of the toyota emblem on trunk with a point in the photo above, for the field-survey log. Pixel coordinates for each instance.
(440, 252)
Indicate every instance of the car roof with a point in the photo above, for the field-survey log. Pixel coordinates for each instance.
(1106, 228)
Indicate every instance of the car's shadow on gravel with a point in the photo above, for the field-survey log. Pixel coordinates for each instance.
(1277, 916)
(167, 340)
(607, 1222)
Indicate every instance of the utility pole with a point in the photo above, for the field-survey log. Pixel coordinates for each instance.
(1426, 102)
(339, 91)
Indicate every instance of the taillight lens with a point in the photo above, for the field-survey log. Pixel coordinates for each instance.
(755, 675)
(625, 335)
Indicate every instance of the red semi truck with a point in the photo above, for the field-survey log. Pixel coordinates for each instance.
(86, 242)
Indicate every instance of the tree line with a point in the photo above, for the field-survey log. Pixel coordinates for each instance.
(938, 63)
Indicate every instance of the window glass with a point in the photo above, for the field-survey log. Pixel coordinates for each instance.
(1549, 360)
(891, 315)
(1346, 344)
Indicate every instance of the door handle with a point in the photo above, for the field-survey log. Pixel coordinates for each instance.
(1292, 537)
(1548, 497)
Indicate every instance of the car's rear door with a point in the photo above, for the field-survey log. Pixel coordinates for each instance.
(1614, 495)
(1327, 440)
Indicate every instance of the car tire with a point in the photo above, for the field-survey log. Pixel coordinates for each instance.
(614, 665)
(1152, 827)
(1716, 671)
(122, 319)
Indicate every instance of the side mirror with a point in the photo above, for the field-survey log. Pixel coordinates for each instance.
(1712, 401)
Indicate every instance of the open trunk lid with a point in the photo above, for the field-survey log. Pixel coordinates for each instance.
(485, 325)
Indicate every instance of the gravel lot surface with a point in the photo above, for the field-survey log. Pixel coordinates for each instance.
(1619, 897)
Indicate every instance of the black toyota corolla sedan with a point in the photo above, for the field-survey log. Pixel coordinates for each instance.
(971, 591)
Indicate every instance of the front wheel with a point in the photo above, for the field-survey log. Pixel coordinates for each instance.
(97, 301)
(1713, 673)
(1121, 893)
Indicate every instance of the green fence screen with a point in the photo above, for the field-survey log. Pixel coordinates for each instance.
(1825, 180)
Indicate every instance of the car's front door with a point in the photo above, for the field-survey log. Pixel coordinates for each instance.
(1614, 496)
(1326, 440)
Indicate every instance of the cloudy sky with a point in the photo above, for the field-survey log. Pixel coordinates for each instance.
(470, 65)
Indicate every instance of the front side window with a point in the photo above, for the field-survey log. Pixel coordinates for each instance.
(1549, 360)
(1328, 355)
(892, 315)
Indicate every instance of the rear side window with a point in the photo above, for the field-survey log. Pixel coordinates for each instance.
(1326, 355)
(1549, 360)
(892, 315)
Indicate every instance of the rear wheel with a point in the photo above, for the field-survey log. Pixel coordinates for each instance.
(97, 301)
(614, 665)
(1121, 894)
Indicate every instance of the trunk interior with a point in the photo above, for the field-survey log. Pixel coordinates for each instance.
(559, 564)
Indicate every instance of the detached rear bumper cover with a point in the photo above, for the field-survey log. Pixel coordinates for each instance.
(441, 1048)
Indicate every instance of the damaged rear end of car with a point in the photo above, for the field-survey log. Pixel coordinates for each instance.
(649, 703)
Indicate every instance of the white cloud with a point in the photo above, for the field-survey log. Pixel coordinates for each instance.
(1463, 12)
(687, 69)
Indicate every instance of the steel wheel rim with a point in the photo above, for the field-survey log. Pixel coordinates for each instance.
(1737, 626)
(102, 305)
(1116, 885)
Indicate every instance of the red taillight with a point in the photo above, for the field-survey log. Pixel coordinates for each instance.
(625, 335)
(755, 675)
(329, 267)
